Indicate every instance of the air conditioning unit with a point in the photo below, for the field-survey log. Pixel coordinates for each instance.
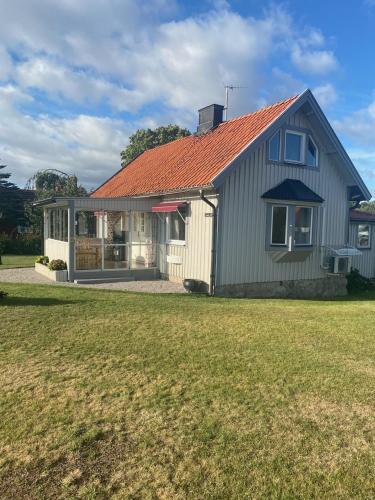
(340, 265)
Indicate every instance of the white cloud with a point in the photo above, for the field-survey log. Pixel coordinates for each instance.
(309, 55)
(314, 61)
(85, 145)
(6, 65)
(325, 94)
(131, 55)
(359, 126)
(78, 86)
(358, 131)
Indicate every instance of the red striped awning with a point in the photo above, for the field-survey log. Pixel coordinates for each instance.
(168, 206)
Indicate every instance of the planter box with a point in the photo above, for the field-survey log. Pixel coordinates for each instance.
(52, 275)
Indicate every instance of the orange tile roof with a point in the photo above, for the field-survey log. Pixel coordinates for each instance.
(192, 161)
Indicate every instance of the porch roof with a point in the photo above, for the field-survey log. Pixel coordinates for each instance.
(110, 204)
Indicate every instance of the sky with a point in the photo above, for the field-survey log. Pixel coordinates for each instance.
(77, 77)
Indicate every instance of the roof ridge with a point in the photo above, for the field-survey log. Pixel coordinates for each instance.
(264, 108)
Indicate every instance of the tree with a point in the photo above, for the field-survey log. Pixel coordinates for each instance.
(49, 184)
(144, 139)
(367, 206)
(12, 212)
(12, 209)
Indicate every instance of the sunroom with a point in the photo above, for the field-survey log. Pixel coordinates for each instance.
(101, 237)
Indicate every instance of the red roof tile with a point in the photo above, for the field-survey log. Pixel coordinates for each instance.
(192, 161)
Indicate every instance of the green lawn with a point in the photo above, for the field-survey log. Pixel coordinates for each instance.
(10, 261)
(163, 396)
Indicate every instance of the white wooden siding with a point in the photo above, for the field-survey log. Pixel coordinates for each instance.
(365, 263)
(196, 253)
(56, 249)
(123, 204)
(242, 219)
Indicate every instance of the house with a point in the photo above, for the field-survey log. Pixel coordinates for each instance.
(255, 206)
(362, 236)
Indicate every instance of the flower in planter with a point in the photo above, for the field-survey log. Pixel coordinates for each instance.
(57, 265)
(43, 259)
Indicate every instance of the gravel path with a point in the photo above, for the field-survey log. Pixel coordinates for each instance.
(28, 275)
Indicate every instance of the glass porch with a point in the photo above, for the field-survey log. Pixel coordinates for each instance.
(105, 240)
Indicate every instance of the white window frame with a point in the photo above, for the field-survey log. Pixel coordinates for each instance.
(311, 226)
(168, 230)
(316, 149)
(301, 161)
(286, 226)
(369, 237)
(269, 146)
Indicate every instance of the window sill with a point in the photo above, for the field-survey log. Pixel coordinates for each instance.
(176, 243)
(298, 248)
(292, 163)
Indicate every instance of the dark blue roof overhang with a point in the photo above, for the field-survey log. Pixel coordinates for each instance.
(293, 190)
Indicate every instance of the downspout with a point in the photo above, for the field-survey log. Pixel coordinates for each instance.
(213, 244)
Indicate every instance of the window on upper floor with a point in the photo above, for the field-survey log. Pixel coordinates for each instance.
(294, 146)
(274, 147)
(311, 153)
(363, 236)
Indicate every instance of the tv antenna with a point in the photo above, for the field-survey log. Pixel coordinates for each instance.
(227, 89)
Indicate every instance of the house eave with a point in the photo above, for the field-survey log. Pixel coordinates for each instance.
(161, 193)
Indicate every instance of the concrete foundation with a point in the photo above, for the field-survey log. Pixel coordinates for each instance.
(328, 287)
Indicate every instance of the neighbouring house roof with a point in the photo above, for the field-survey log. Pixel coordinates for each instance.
(193, 161)
(358, 216)
(292, 190)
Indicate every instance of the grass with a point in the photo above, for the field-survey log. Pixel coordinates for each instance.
(11, 261)
(127, 395)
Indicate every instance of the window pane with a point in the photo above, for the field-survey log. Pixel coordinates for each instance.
(363, 236)
(86, 224)
(88, 255)
(302, 227)
(293, 147)
(279, 215)
(311, 154)
(116, 257)
(177, 226)
(274, 147)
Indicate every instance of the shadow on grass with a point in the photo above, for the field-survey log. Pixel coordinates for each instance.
(37, 301)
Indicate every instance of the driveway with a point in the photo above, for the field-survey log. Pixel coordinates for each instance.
(28, 275)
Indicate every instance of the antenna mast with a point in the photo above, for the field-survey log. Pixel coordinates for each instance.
(227, 89)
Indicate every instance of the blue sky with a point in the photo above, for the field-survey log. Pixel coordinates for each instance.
(78, 77)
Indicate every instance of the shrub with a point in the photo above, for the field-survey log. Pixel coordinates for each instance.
(358, 283)
(22, 244)
(57, 265)
(43, 259)
(2, 295)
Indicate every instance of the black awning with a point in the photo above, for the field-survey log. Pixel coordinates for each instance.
(292, 190)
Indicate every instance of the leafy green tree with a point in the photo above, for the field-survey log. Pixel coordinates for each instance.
(49, 184)
(367, 206)
(145, 139)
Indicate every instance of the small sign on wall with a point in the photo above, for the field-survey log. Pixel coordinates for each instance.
(174, 259)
